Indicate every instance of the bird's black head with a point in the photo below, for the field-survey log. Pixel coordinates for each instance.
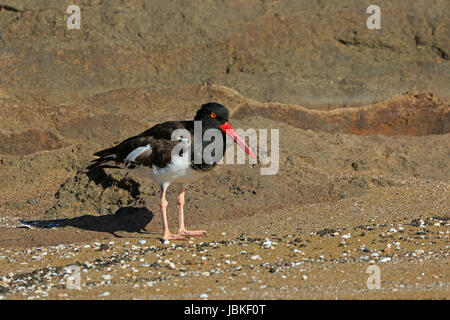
(212, 115)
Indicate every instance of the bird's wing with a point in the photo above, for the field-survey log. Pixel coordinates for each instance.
(139, 150)
(166, 129)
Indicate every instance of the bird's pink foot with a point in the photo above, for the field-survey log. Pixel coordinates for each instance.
(190, 233)
(169, 236)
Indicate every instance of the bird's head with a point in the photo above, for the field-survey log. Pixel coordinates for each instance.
(214, 115)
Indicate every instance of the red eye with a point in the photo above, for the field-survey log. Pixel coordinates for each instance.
(213, 115)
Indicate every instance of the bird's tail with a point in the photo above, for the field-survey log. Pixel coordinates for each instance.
(106, 159)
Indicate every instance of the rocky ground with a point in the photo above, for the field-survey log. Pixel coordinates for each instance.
(364, 148)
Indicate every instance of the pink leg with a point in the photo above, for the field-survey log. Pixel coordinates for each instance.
(181, 229)
(163, 207)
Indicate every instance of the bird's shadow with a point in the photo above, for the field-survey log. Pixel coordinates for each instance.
(126, 219)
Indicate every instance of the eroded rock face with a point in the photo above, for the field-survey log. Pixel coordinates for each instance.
(300, 52)
(335, 160)
(356, 108)
(413, 114)
(315, 166)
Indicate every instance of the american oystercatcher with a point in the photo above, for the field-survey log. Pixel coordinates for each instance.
(153, 154)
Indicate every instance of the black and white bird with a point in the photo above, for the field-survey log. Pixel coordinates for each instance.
(151, 154)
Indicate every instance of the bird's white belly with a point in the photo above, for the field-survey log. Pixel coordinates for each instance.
(178, 170)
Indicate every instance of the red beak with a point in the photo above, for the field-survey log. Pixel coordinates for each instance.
(226, 128)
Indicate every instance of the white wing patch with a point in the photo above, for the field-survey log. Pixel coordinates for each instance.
(136, 152)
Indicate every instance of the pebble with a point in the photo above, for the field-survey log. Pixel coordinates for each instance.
(23, 284)
(204, 296)
(267, 243)
(105, 294)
